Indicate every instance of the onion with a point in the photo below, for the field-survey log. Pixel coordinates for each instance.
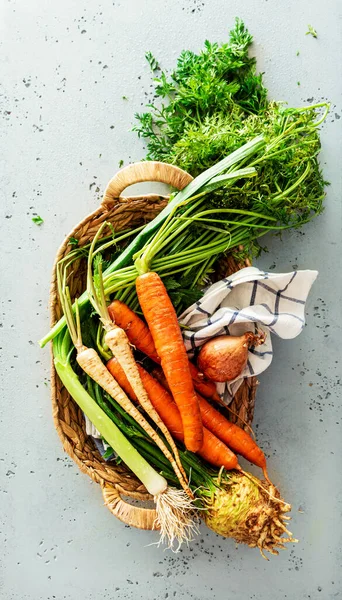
(225, 357)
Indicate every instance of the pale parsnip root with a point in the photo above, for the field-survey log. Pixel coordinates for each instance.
(118, 342)
(171, 505)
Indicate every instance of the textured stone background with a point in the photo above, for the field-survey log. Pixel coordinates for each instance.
(65, 126)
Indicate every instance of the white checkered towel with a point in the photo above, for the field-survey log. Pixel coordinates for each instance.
(247, 301)
(100, 444)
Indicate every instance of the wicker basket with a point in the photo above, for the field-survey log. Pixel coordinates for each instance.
(117, 481)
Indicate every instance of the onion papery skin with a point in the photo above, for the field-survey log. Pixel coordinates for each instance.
(224, 358)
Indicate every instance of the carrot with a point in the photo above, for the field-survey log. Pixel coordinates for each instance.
(213, 450)
(162, 321)
(229, 433)
(139, 335)
(118, 373)
(202, 385)
(158, 374)
(137, 331)
(236, 438)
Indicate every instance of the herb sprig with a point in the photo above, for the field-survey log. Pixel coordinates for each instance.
(217, 79)
(311, 31)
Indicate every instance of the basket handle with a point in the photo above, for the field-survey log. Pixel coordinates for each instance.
(135, 516)
(145, 171)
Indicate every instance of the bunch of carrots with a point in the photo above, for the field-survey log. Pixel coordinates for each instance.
(179, 410)
(220, 437)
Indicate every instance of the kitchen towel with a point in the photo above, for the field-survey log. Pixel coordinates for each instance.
(248, 300)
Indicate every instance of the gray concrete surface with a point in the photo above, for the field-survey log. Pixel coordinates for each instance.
(65, 126)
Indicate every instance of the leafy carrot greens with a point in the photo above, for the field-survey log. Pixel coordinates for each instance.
(214, 102)
(200, 86)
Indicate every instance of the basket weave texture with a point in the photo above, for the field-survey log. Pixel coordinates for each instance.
(123, 212)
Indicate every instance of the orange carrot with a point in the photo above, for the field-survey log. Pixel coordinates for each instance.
(236, 438)
(139, 335)
(202, 385)
(213, 450)
(232, 435)
(119, 374)
(162, 321)
(137, 331)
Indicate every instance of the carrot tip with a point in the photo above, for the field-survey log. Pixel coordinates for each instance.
(217, 399)
(264, 470)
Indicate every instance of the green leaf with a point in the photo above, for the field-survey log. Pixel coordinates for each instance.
(180, 291)
(109, 452)
(311, 31)
(73, 241)
(185, 297)
(152, 61)
(171, 283)
(38, 220)
(219, 78)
